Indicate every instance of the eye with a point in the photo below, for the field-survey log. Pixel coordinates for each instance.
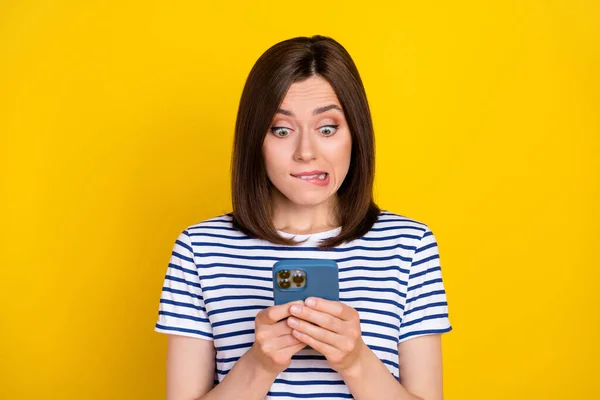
(280, 131)
(328, 130)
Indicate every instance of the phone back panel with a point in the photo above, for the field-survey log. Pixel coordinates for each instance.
(322, 280)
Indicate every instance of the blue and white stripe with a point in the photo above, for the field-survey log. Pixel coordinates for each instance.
(218, 279)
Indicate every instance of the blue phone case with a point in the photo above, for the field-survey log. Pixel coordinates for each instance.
(320, 280)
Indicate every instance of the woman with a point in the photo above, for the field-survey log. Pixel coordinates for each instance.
(302, 179)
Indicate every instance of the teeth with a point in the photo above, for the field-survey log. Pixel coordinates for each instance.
(308, 177)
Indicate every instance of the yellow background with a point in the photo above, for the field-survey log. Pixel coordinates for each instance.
(116, 124)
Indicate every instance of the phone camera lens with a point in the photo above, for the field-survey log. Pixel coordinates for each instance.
(284, 274)
(298, 279)
(285, 284)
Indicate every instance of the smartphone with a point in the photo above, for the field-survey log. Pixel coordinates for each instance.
(297, 279)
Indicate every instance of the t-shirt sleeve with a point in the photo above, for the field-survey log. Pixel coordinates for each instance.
(426, 307)
(181, 308)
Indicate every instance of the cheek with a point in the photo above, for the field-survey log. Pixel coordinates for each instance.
(273, 158)
(347, 151)
(341, 155)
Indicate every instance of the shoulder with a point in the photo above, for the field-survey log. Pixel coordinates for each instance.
(218, 222)
(217, 231)
(392, 223)
(396, 232)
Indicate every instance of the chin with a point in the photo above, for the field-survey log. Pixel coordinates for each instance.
(307, 201)
(302, 196)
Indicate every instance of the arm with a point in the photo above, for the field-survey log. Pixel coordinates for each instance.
(191, 373)
(333, 329)
(247, 380)
(190, 367)
(420, 361)
(420, 373)
(191, 362)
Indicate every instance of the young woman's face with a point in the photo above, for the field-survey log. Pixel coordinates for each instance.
(307, 149)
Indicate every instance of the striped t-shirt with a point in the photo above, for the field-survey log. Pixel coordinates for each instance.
(218, 279)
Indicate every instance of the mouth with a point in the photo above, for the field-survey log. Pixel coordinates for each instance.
(320, 176)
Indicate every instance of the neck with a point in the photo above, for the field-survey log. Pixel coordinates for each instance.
(299, 219)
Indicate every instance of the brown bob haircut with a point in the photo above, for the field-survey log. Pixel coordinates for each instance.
(287, 62)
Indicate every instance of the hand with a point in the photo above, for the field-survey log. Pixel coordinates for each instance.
(274, 344)
(330, 327)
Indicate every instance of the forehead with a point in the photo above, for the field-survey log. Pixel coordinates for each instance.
(308, 94)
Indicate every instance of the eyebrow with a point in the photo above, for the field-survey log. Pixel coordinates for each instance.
(316, 111)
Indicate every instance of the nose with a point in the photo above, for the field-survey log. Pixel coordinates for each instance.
(304, 148)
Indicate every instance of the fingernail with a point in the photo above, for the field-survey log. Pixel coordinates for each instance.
(310, 302)
(292, 321)
(296, 309)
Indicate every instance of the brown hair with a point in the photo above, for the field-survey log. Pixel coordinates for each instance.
(287, 62)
